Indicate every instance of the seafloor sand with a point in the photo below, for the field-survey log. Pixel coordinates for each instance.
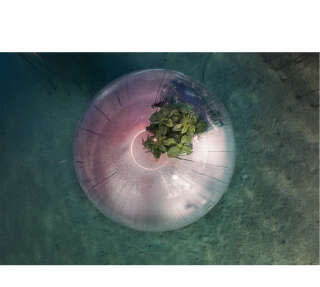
(269, 215)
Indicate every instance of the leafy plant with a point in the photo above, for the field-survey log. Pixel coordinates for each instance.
(172, 129)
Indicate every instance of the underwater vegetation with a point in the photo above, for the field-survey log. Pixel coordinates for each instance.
(172, 129)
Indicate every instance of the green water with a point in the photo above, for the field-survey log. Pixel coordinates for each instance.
(269, 214)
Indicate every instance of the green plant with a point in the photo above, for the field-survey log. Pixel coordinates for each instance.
(172, 129)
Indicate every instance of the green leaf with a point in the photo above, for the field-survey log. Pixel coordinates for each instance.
(186, 139)
(169, 123)
(187, 149)
(175, 119)
(190, 133)
(157, 134)
(185, 128)
(163, 130)
(156, 153)
(173, 151)
(177, 127)
(169, 141)
(162, 148)
(174, 112)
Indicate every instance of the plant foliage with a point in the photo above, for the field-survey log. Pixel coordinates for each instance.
(172, 129)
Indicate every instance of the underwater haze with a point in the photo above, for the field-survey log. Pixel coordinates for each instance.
(269, 214)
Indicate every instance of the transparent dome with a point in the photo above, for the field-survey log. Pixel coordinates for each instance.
(124, 181)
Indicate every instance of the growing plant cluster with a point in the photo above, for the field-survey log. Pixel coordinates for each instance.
(172, 129)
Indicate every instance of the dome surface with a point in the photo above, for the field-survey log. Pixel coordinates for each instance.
(124, 181)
